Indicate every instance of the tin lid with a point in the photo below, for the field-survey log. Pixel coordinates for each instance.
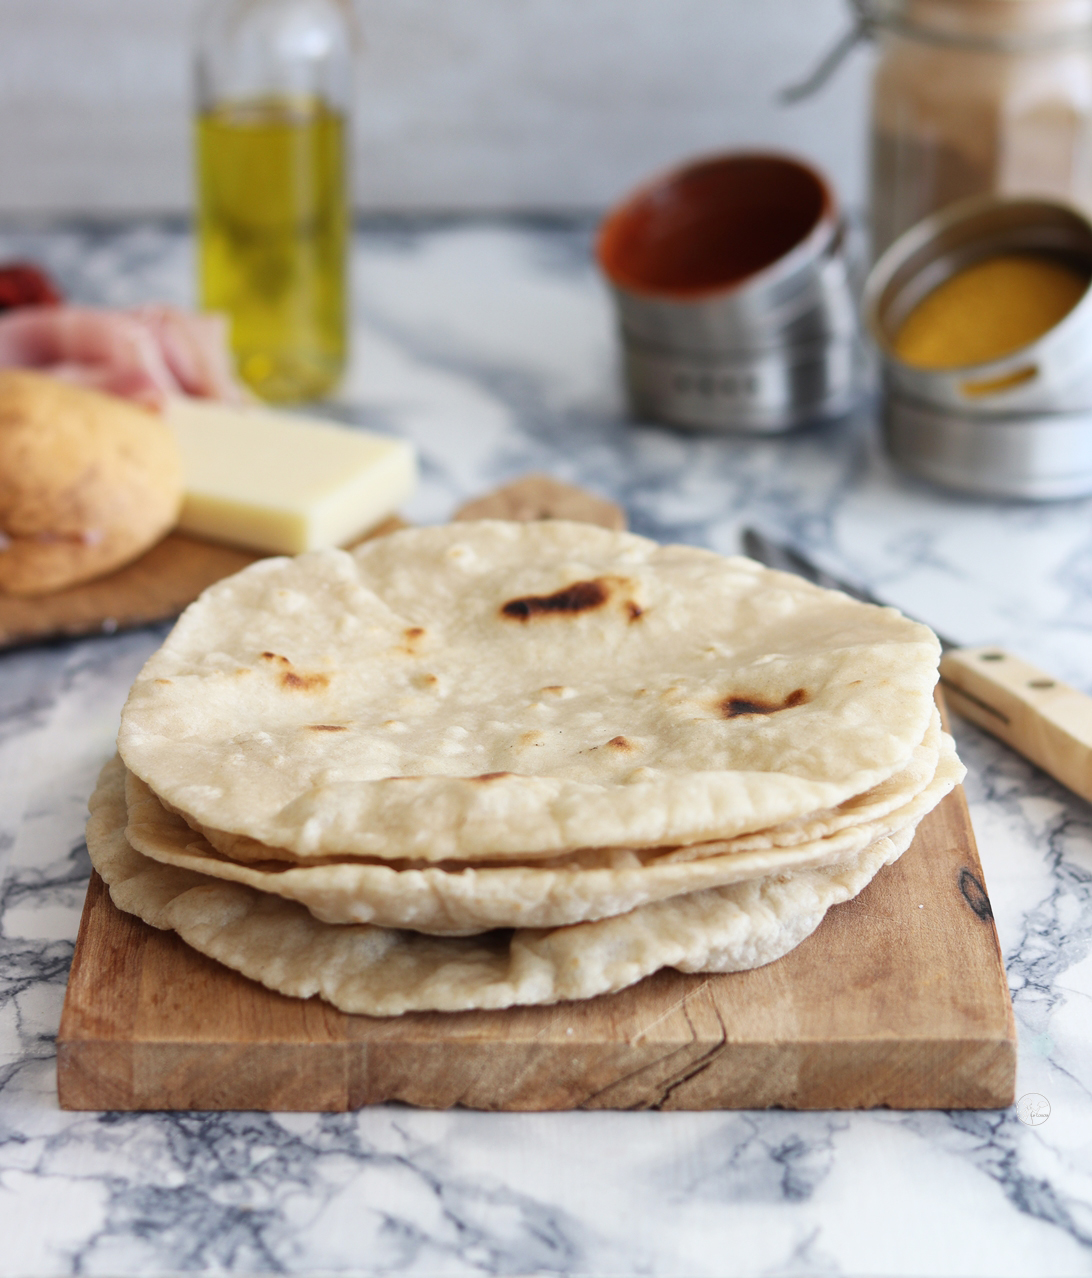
(716, 225)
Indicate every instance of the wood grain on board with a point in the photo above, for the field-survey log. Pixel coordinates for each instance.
(899, 999)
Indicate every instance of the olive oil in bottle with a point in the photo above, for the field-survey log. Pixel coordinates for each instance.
(273, 231)
(272, 216)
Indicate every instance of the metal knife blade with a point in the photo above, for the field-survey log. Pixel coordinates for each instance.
(1040, 717)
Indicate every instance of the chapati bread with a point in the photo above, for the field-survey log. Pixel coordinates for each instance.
(87, 482)
(872, 804)
(385, 972)
(465, 901)
(500, 690)
(544, 497)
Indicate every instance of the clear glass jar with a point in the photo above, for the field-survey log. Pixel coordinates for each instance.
(274, 82)
(977, 97)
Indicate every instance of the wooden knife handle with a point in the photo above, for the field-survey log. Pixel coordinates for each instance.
(1041, 718)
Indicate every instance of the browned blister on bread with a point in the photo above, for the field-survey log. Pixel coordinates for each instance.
(87, 483)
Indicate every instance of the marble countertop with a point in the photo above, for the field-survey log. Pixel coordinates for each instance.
(491, 346)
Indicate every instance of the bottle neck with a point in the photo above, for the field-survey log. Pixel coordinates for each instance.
(1003, 26)
(258, 50)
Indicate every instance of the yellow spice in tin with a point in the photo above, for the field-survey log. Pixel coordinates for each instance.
(989, 310)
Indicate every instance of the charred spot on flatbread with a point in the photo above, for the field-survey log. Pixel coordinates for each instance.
(734, 707)
(581, 596)
(327, 727)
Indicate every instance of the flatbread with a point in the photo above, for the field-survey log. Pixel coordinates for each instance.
(874, 803)
(467, 901)
(385, 972)
(497, 690)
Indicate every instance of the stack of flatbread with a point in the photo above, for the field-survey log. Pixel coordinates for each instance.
(497, 763)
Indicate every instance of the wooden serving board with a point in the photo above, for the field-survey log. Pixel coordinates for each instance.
(899, 999)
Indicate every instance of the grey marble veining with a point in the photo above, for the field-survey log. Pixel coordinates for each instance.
(490, 345)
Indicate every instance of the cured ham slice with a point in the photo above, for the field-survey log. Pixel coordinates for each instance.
(195, 348)
(144, 355)
(104, 350)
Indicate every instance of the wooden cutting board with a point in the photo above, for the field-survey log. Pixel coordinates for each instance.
(899, 999)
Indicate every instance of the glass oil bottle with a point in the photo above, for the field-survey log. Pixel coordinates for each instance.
(274, 91)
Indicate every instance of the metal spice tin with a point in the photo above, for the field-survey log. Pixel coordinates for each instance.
(733, 296)
(1018, 426)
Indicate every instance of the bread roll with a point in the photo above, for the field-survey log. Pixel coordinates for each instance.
(87, 482)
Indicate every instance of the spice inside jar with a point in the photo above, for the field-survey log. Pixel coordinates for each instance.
(975, 97)
(989, 274)
(989, 310)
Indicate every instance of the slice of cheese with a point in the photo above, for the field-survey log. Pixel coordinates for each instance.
(284, 484)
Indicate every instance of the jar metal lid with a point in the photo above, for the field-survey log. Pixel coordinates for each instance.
(1005, 26)
(872, 17)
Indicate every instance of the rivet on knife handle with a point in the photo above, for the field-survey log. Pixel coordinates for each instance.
(1043, 719)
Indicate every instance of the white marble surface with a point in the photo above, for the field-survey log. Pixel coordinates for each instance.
(491, 347)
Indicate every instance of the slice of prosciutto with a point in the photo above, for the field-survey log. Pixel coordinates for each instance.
(195, 348)
(144, 355)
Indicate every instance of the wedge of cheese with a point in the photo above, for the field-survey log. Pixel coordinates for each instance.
(284, 484)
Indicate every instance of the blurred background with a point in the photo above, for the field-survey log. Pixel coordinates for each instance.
(462, 105)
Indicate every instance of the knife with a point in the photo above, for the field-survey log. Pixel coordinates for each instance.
(1035, 714)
